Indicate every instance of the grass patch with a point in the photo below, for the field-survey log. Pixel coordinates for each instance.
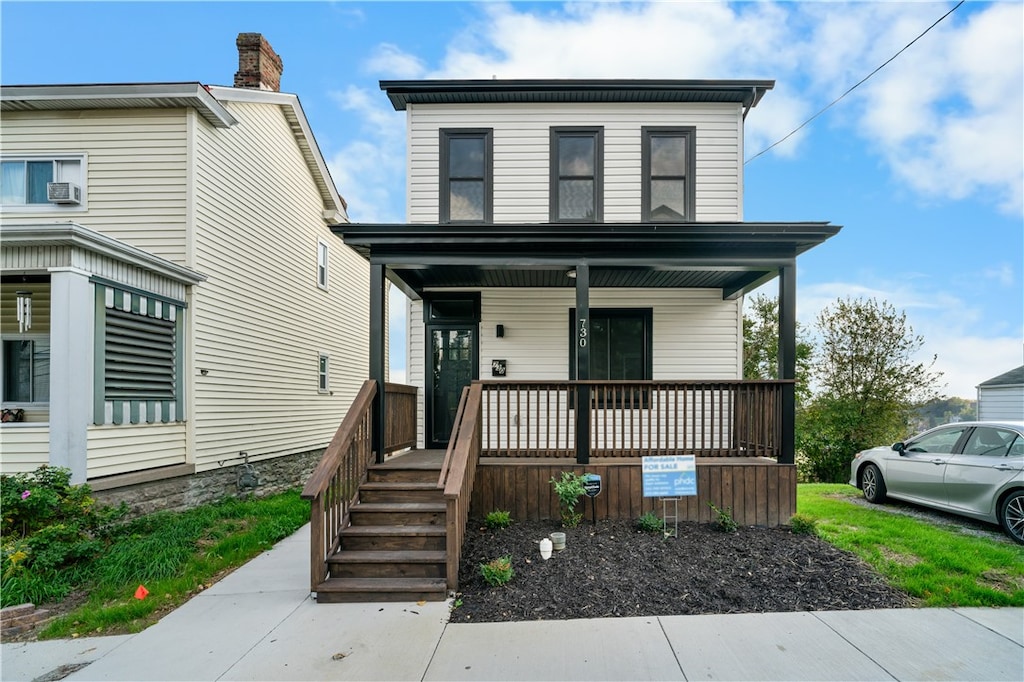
(175, 555)
(932, 563)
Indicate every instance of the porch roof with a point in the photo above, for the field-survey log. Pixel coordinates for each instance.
(734, 257)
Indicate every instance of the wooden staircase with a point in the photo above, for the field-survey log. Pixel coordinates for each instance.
(395, 546)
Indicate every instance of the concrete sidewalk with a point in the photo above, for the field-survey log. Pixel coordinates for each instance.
(260, 624)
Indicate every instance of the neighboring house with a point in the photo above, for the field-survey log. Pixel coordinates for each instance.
(576, 253)
(190, 308)
(1002, 397)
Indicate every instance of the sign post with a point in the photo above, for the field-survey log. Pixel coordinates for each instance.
(670, 477)
(592, 487)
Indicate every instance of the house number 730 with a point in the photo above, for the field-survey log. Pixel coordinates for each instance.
(583, 332)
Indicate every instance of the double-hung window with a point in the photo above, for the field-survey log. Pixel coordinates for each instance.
(576, 191)
(667, 161)
(466, 182)
(322, 256)
(23, 180)
(324, 373)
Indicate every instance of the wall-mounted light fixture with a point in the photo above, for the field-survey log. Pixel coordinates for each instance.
(499, 331)
(571, 274)
(24, 311)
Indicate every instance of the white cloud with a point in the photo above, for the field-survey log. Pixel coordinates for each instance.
(945, 116)
(369, 169)
(948, 324)
(390, 61)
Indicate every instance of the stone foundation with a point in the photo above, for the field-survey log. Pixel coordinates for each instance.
(179, 493)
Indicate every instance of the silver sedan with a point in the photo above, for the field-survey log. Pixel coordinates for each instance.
(974, 469)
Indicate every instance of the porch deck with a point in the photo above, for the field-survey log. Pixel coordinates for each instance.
(757, 490)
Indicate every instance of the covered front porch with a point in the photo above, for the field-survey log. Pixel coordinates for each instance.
(504, 438)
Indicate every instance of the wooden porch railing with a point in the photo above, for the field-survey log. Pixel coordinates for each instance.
(335, 482)
(400, 425)
(333, 487)
(458, 473)
(633, 418)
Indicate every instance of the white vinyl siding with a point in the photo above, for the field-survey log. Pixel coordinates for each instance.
(697, 335)
(124, 449)
(522, 145)
(260, 320)
(26, 447)
(1000, 403)
(136, 171)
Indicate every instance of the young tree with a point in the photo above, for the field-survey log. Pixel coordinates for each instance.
(868, 385)
(761, 346)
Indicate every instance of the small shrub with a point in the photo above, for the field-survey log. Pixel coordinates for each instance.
(50, 528)
(498, 519)
(726, 523)
(801, 524)
(498, 571)
(650, 523)
(569, 491)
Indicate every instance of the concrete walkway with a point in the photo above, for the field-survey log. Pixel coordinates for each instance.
(260, 624)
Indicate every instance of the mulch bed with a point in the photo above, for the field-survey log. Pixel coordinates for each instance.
(613, 570)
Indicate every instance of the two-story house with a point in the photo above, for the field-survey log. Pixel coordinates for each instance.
(576, 254)
(173, 303)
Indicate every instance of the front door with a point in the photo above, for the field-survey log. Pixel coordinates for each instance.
(451, 365)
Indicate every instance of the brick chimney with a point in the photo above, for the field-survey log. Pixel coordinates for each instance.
(259, 67)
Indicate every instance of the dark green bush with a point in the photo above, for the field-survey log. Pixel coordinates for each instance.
(49, 527)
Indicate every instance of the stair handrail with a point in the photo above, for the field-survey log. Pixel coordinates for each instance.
(334, 484)
(458, 473)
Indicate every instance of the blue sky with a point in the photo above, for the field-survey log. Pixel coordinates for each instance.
(923, 165)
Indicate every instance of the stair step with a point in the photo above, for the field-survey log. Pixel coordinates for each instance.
(386, 557)
(424, 473)
(390, 538)
(337, 590)
(398, 514)
(388, 564)
(400, 491)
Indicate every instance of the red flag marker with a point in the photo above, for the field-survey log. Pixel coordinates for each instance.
(141, 592)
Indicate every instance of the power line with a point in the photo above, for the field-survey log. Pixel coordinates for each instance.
(854, 87)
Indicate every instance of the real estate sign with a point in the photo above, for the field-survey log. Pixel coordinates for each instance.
(669, 476)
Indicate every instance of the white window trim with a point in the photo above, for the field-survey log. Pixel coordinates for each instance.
(326, 374)
(83, 160)
(324, 249)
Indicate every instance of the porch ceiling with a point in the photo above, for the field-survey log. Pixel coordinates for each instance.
(734, 257)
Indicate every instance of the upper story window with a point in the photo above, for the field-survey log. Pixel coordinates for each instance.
(322, 256)
(576, 192)
(667, 160)
(25, 180)
(466, 168)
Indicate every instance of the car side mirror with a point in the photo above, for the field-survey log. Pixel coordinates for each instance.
(899, 447)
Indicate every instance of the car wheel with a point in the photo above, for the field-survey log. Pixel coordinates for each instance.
(1011, 515)
(873, 484)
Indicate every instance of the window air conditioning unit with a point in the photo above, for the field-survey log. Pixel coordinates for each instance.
(63, 193)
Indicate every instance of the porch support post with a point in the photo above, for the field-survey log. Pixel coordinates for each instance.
(787, 361)
(377, 370)
(582, 343)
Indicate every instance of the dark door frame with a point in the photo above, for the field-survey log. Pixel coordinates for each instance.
(440, 318)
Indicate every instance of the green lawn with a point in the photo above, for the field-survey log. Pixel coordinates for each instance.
(936, 564)
(174, 555)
